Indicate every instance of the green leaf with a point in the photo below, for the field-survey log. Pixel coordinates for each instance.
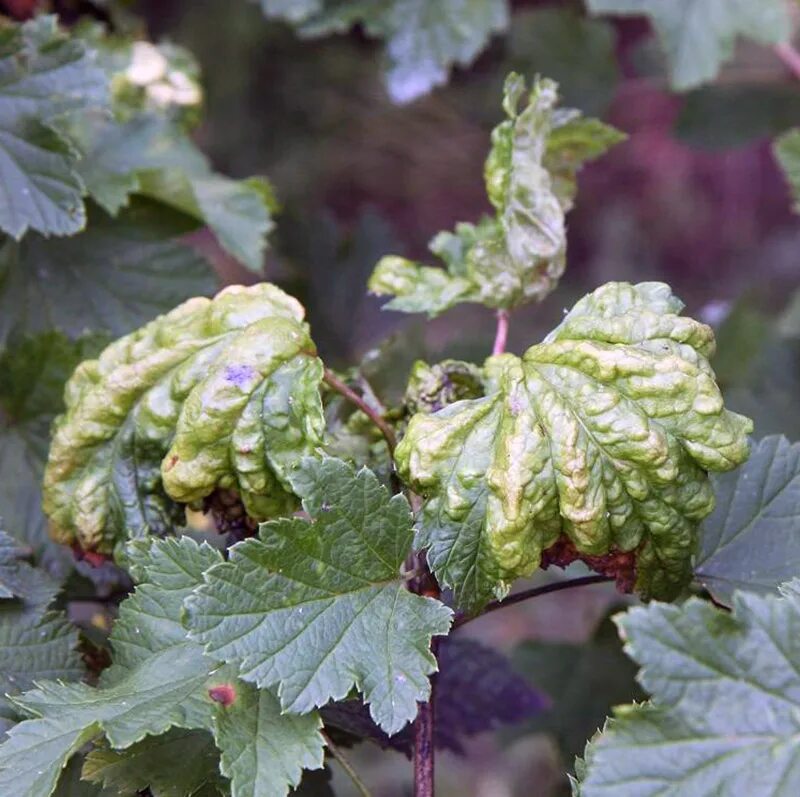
(787, 151)
(423, 40)
(603, 433)
(299, 606)
(66, 716)
(726, 692)
(116, 275)
(264, 751)
(519, 255)
(34, 372)
(34, 643)
(217, 393)
(699, 35)
(177, 764)
(752, 539)
(45, 76)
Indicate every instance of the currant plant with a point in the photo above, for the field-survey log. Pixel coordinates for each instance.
(354, 536)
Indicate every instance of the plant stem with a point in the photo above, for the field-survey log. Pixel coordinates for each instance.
(346, 766)
(535, 592)
(790, 57)
(424, 748)
(501, 337)
(340, 387)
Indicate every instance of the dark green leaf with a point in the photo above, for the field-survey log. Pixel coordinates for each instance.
(298, 607)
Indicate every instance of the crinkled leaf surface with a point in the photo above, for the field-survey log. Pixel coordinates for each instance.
(114, 276)
(787, 151)
(423, 39)
(318, 608)
(34, 371)
(264, 751)
(217, 393)
(176, 764)
(519, 255)
(752, 539)
(725, 715)
(698, 36)
(603, 432)
(44, 75)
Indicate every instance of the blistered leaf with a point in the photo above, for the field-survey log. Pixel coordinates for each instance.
(114, 276)
(724, 714)
(217, 393)
(176, 764)
(752, 539)
(603, 433)
(519, 255)
(299, 606)
(264, 751)
(423, 39)
(699, 35)
(46, 75)
(432, 387)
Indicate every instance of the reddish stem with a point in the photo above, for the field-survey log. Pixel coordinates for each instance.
(790, 57)
(501, 337)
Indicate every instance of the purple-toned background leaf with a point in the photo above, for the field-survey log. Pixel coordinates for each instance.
(477, 690)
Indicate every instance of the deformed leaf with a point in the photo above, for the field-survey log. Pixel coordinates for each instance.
(519, 255)
(787, 151)
(217, 393)
(45, 76)
(699, 35)
(299, 606)
(752, 539)
(724, 718)
(603, 433)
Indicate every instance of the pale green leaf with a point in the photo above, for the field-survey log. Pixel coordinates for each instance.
(752, 539)
(177, 764)
(423, 39)
(519, 255)
(264, 751)
(318, 608)
(725, 713)
(787, 151)
(698, 36)
(217, 393)
(602, 433)
(44, 75)
(116, 275)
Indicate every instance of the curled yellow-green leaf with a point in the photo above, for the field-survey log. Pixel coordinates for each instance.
(603, 433)
(218, 393)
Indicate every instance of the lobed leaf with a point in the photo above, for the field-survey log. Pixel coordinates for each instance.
(299, 606)
(519, 255)
(724, 714)
(603, 433)
(217, 393)
(698, 36)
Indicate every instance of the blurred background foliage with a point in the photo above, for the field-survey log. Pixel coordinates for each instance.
(694, 197)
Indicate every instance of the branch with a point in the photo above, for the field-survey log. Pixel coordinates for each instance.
(340, 387)
(502, 332)
(534, 593)
(423, 748)
(790, 57)
(346, 766)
